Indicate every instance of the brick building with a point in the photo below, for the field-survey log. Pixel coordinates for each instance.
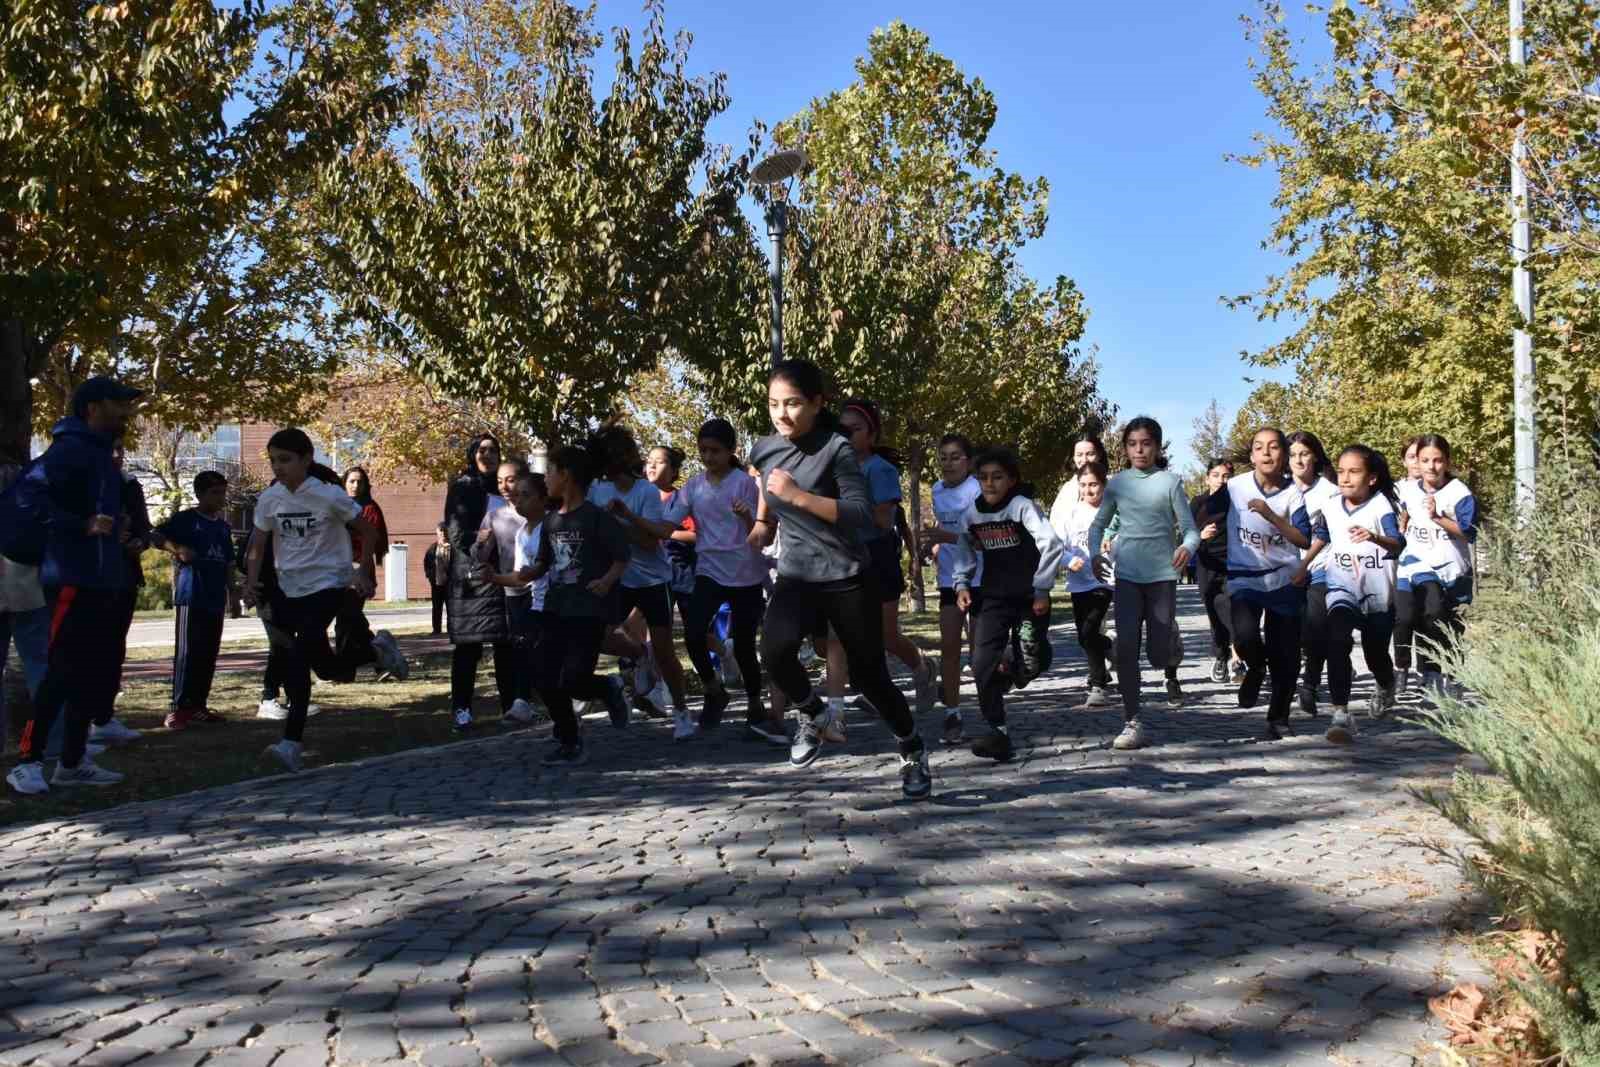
(411, 511)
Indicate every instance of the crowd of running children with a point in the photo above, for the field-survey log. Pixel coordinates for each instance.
(797, 544)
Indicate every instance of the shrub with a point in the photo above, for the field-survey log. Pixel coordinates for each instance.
(156, 593)
(1530, 664)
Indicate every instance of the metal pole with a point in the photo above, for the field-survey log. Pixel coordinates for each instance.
(777, 226)
(1524, 434)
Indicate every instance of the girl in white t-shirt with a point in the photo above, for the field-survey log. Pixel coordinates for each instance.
(1314, 476)
(1091, 597)
(1440, 521)
(952, 495)
(310, 522)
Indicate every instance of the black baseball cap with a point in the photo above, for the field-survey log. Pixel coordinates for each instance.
(101, 388)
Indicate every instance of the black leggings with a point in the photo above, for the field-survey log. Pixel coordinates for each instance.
(1335, 640)
(1427, 610)
(1274, 649)
(1314, 636)
(509, 675)
(854, 609)
(568, 652)
(991, 633)
(300, 626)
(1212, 584)
(747, 604)
(1089, 612)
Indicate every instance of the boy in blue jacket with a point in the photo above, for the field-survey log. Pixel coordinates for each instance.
(202, 542)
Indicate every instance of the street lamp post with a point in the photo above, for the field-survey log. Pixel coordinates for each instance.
(1524, 437)
(776, 172)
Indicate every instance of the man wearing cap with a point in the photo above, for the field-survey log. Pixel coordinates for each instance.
(84, 574)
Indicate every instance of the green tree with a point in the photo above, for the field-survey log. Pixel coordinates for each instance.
(531, 242)
(148, 155)
(902, 279)
(1207, 443)
(1392, 163)
(1269, 404)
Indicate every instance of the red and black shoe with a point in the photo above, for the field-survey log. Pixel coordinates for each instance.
(179, 718)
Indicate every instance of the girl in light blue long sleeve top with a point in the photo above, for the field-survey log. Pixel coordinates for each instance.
(1153, 509)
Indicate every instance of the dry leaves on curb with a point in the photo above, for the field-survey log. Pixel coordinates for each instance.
(1499, 1027)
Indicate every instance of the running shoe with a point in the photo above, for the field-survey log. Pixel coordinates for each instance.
(993, 745)
(520, 713)
(1219, 670)
(28, 778)
(807, 742)
(1131, 737)
(113, 733)
(566, 756)
(953, 733)
(287, 753)
(926, 682)
(716, 703)
(461, 721)
(1250, 688)
(1096, 697)
(916, 778)
(1341, 727)
(1174, 692)
(654, 702)
(87, 772)
(617, 702)
(178, 719)
(683, 725)
(1277, 730)
(1307, 697)
(832, 724)
(1238, 671)
(1382, 703)
(271, 709)
(206, 715)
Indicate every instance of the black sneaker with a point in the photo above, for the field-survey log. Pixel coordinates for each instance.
(993, 745)
(566, 756)
(1219, 670)
(1307, 697)
(1250, 688)
(916, 780)
(807, 742)
(1277, 730)
(1174, 692)
(717, 701)
(953, 734)
(617, 702)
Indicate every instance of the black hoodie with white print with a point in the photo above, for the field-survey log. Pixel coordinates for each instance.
(1021, 553)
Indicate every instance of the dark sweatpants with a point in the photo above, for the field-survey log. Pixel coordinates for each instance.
(1268, 641)
(991, 633)
(1089, 612)
(300, 630)
(82, 673)
(194, 656)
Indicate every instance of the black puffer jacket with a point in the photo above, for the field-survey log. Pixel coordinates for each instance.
(477, 608)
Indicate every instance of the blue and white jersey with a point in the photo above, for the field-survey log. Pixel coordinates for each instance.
(950, 503)
(1432, 554)
(1260, 559)
(1322, 496)
(1358, 574)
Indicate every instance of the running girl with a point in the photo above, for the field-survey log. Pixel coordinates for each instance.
(1009, 533)
(524, 598)
(584, 552)
(1086, 449)
(728, 570)
(1091, 597)
(1151, 505)
(1357, 537)
(1211, 568)
(309, 522)
(1313, 476)
(1435, 579)
(1267, 526)
(476, 607)
(810, 480)
(496, 553)
(953, 494)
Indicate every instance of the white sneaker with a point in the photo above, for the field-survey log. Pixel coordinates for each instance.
(85, 773)
(1096, 697)
(313, 710)
(683, 725)
(462, 719)
(1342, 727)
(271, 709)
(28, 778)
(287, 753)
(391, 660)
(520, 711)
(1132, 736)
(113, 733)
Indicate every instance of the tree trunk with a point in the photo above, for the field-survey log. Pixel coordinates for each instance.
(919, 597)
(18, 362)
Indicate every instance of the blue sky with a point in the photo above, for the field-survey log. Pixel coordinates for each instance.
(1128, 109)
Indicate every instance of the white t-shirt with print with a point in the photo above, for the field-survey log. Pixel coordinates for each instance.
(950, 504)
(527, 555)
(312, 547)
